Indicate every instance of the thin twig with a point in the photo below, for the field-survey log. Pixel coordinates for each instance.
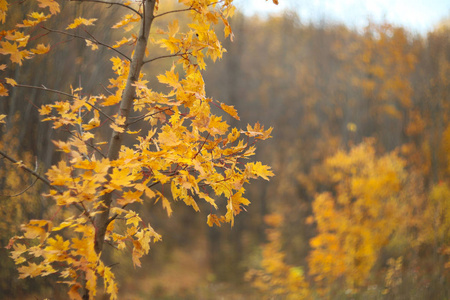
(85, 38)
(37, 175)
(23, 191)
(34, 173)
(110, 3)
(174, 11)
(184, 9)
(87, 144)
(148, 115)
(200, 149)
(166, 56)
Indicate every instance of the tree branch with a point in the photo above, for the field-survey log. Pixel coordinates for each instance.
(166, 56)
(93, 40)
(111, 3)
(148, 115)
(184, 9)
(34, 173)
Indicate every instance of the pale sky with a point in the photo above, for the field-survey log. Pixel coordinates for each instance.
(417, 15)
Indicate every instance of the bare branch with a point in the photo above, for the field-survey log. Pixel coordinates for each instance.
(148, 115)
(93, 40)
(111, 3)
(34, 173)
(23, 191)
(166, 56)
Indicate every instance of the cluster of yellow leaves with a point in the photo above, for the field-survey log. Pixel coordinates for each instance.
(14, 42)
(201, 40)
(188, 148)
(357, 220)
(74, 259)
(276, 278)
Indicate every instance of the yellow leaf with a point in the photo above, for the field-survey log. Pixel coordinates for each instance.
(38, 18)
(130, 197)
(168, 138)
(117, 128)
(37, 228)
(16, 55)
(3, 9)
(112, 99)
(208, 199)
(121, 42)
(133, 132)
(45, 110)
(62, 226)
(230, 110)
(2, 118)
(126, 20)
(41, 49)
(166, 205)
(17, 36)
(81, 21)
(65, 147)
(170, 78)
(260, 170)
(213, 219)
(31, 270)
(173, 28)
(93, 46)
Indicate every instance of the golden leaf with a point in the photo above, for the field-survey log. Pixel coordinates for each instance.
(230, 110)
(81, 21)
(41, 49)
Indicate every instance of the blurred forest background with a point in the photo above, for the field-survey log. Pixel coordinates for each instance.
(360, 204)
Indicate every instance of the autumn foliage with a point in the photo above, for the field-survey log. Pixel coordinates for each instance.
(119, 120)
(185, 148)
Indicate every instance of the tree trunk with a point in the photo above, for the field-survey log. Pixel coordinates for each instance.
(101, 220)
